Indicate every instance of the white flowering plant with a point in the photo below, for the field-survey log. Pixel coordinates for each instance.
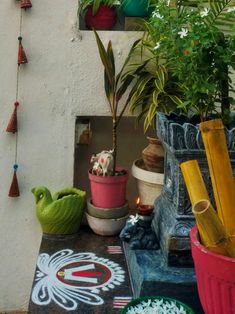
(190, 51)
(156, 305)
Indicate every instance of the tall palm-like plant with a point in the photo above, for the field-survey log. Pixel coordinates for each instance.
(116, 85)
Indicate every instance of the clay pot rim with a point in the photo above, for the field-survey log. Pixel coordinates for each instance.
(155, 140)
(146, 175)
(89, 203)
(107, 179)
(109, 219)
(195, 241)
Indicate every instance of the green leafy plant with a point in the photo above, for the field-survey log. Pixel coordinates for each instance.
(188, 50)
(83, 4)
(116, 85)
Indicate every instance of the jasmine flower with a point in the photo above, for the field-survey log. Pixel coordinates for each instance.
(134, 219)
(183, 33)
(204, 12)
(158, 15)
(231, 9)
(157, 46)
(157, 307)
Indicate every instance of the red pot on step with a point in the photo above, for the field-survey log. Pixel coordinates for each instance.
(108, 191)
(105, 18)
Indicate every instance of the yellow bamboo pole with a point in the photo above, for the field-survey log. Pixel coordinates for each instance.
(194, 181)
(212, 232)
(220, 171)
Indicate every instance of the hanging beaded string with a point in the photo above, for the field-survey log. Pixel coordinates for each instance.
(12, 125)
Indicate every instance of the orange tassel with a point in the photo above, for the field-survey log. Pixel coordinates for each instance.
(25, 4)
(12, 125)
(22, 59)
(14, 188)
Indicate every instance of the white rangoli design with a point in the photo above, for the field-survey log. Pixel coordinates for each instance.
(68, 278)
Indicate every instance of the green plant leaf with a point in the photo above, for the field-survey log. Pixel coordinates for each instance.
(150, 116)
(218, 9)
(160, 78)
(130, 54)
(176, 100)
(105, 59)
(95, 6)
(109, 88)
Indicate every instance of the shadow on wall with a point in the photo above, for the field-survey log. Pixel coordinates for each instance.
(131, 142)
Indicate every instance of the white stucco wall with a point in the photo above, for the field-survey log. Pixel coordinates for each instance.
(63, 79)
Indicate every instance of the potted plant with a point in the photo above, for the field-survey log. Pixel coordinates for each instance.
(187, 61)
(99, 14)
(213, 241)
(185, 69)
(215, 273)
(149, 171)
(149, 183)
(108, 182)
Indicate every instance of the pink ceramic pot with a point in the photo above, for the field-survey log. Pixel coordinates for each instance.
(215, 278)
(108, 191)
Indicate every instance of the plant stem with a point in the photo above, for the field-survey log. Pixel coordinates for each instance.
(225, 105)
(114, 144)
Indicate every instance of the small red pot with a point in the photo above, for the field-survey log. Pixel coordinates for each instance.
(105, 18)
(145, 210)
(215, 278)
(108, 191)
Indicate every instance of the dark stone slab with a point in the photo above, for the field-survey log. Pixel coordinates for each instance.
(82, 273)
(151, 276)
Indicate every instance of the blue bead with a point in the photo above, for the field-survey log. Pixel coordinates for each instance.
(15, 167)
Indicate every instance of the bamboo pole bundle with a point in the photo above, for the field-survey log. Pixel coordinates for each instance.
(212, 232)
(194, 181)
(221, 171)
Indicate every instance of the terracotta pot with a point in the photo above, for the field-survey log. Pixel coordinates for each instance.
(215, 278)
(153, 155)
(105, 18)
(108, 191)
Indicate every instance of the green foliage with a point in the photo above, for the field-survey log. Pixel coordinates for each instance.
(188, 59)
(83, 4)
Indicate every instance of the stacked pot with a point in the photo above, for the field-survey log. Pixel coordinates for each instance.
(148, 171)
(107, 209)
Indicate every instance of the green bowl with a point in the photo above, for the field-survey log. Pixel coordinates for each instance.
(139, 300)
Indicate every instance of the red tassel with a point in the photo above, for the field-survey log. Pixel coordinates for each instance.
(14, 188)
(12, 125)
(22, 59)
(25, 4)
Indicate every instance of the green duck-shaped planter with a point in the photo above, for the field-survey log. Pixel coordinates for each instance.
(62, 213)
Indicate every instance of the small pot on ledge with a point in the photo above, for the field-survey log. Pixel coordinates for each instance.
(104, 19)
